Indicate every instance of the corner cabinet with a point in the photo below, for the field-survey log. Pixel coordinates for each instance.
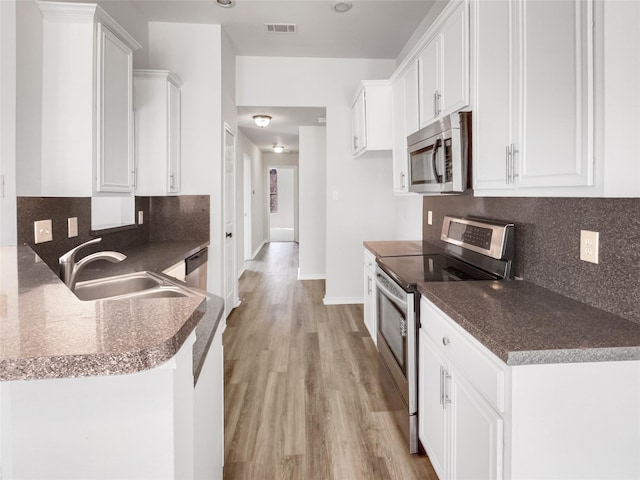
(444, 68)
(370, 305)
(87, 101)
(533, 114)
(157, 131)
(371, 118)
(460, 395)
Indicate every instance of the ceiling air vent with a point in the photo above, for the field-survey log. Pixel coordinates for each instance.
(281, 27)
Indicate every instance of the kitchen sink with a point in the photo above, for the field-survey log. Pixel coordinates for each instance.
(132, 285)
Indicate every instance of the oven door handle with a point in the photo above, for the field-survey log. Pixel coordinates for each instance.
(401, 302)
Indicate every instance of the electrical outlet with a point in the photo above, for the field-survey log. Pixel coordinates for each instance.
(589, 246)
(72, 226)
(42, 231)
(140, 217)
(429, 217)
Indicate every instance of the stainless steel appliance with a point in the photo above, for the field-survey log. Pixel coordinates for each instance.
(475, 249)
(196, 269)
(439, 155)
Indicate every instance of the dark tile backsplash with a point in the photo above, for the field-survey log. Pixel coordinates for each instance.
(166, 218)
(548, 243)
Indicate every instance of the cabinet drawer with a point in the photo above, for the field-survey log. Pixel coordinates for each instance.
(479, 366)
(369, 261)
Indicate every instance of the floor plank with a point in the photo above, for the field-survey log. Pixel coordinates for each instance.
(302, 396)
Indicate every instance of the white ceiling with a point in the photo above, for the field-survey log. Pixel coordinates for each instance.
(283, 128)
(371, 29)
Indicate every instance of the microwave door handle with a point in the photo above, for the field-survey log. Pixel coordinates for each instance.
(434, 161)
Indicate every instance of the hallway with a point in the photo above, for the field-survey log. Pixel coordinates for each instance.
(302, 399)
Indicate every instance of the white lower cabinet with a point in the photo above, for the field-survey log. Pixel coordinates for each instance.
(370, 307)
(460, 431)
(481, 419)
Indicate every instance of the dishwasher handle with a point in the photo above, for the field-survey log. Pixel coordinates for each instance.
(196, 260)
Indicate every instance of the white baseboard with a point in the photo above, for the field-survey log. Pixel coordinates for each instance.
(311, 276)
(257, 250)
(342, 300)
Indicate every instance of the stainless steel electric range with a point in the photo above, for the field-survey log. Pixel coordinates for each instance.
(475, 249)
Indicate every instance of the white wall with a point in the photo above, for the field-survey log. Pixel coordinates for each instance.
(194, 53)
(364, 209)
(313, 203)
(258, 203)
(7, 122)
(409, 217)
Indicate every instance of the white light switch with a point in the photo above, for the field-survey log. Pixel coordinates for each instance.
(140, 217)
(589, 246)
(72, 226)
(429, 217)
(335, 196)
(42, 231)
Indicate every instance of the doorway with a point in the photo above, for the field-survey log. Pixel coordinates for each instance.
(282, 204)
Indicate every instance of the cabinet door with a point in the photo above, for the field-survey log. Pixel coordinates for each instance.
(399, 137)
(477, 434)
(557, 93)
(429, 79)
(411, 101)
(359, 140)
(493, 115)
(370, 311)
(173, 147)
(114, 127)
(455, 62)
(431, 410)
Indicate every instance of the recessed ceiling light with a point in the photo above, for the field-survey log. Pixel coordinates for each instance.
(226, 3)
(278, 148)
(262, 120)
(341, 7)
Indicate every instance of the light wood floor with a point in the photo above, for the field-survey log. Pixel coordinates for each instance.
(302, 397)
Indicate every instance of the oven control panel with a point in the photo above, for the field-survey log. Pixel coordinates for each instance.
(483, 236)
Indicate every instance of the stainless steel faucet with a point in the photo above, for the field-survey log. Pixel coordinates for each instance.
(69, 268)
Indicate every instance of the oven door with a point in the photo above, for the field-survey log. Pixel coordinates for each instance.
(397, 337)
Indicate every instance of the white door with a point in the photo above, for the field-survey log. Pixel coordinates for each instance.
(455, 63)
(281, 204)
(230, 278)
(247, 195)
(429, 66)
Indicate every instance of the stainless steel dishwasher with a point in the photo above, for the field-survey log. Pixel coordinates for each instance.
(196, 269)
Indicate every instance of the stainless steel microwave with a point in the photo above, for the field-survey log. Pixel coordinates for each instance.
(440, 155)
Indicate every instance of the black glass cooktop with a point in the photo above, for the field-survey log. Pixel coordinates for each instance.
(410, 270)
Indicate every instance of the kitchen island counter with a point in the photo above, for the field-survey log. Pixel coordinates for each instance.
(47, 332)
(524, 324)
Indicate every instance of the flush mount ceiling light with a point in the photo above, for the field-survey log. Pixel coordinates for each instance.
(226, 3)
(341, 7)
(278, 148)
(262, 120)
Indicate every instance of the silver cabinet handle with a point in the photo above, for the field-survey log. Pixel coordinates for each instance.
(134, 177)
(446, 382)
(506, 163)
(355, 143)
(436, 103)
(512, 156)
(369, 285)
(171, 180)
(402, 177)
(445, 341)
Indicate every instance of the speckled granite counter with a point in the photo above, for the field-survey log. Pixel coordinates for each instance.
(400, 248)
(46, 332)
(525, 324)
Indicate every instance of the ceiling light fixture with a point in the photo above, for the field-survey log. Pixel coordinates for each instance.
(341, 7)
(226, 3)
(262, 120)
(278, 148)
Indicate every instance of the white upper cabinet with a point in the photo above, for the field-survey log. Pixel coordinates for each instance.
(87, 107)
(405, 116)
(533, 112)
(444, 68)
(114, 120)
(371, 117)
(157, 131)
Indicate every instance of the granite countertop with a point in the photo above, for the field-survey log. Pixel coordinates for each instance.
(401, 248)
(525, 324)
(47, 332)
